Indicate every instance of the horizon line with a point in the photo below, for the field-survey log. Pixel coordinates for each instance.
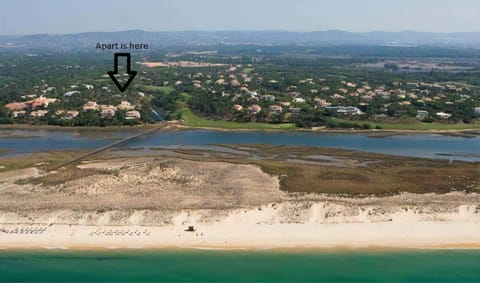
(240, 30)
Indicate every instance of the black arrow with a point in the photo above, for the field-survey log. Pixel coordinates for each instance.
(131, 74)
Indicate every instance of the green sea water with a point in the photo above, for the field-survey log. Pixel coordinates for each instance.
(240, 266)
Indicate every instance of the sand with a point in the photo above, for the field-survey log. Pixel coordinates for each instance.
(161, 184)
(265, 227)
(150, 203)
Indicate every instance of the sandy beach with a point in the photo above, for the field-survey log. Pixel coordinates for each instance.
(316, 225)
(152, 202)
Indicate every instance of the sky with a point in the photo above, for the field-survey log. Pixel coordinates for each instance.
(74, 16)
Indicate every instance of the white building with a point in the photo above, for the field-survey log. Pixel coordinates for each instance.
(321, 102)
(130, 115)
(275, 109)
(237, 107)
(70, 114)
(443, 115)
(268, 97)
(16, 114)
(255, 109)
(90, 105)
(345, 109)
(125, 105)
(70, 93)
(107, 112)
(422, 114)
(299, 100)
(38, 113)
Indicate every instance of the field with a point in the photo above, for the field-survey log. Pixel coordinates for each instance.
(428, 126)
(415, 126)
(195, 121)
(192, 120)
(156, 89)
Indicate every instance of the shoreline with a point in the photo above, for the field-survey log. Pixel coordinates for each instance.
(162, 240)
(76, 128)
(340, 131)
(262, 227)
(174, 125)
(334, 249)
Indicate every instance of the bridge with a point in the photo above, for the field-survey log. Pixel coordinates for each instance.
(109, 146)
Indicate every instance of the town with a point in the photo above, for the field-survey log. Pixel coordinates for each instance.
(206, 85)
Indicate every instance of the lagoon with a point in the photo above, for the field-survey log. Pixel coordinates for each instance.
(412, 145)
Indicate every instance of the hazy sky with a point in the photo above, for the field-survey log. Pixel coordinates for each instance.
(72, 16)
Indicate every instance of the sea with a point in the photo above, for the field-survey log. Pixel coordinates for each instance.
(240, 266)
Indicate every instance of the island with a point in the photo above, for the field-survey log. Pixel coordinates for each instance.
(237, 197)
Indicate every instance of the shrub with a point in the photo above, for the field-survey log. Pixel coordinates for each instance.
(366, 126)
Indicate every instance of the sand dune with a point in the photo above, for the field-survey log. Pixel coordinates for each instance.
(277, 225)
(151, 203)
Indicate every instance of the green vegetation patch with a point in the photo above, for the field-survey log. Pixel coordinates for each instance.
(361, 174)
(156, 89)
(418, 126)
(43, 161)
(247, 70)
(193, 120)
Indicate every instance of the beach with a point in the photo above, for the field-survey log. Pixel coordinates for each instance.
(273, 226)
(242, 198)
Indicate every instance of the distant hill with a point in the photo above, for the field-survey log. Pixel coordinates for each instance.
(197, 38)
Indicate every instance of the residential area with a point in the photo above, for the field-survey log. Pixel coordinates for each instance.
(274, 93)
(67, 109)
